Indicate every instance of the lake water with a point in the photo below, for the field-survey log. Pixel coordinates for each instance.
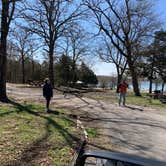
(144, 85)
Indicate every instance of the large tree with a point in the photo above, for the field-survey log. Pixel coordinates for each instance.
(160, 58)
(127, 23)
(7, 11)
(153, 62)
(49, 20)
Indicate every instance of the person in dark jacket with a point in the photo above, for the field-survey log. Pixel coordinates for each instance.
(47, 92)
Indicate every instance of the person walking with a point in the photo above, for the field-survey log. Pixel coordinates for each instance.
(122, 93)
(47, 92)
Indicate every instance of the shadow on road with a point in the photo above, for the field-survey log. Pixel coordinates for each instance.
(134, 108)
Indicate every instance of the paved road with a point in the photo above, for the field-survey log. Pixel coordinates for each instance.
(132, 129)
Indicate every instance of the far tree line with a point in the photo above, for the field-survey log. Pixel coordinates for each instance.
(33, 71)
(119, 32)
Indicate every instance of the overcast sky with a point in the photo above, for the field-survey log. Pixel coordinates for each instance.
(108, 69)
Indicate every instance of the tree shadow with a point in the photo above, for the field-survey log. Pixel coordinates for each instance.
(33, 151)
(134, 108)
(80, 97)
(55, 112)
(119, 143)
(6, 113)
(125, 121)
(98, 104)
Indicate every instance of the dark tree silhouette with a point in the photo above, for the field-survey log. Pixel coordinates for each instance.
(86, 75)
(7, 12)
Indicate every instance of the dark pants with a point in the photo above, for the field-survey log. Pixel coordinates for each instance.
(48, 102)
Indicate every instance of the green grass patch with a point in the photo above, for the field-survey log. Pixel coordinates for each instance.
(31, 136)
(92, 132)
(112, 97)
(145, 100)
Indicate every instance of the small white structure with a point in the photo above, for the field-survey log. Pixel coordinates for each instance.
(79, 82)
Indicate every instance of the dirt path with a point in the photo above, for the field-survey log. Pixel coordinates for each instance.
(131, 129)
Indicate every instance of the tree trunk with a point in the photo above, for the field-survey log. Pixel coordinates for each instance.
(33, 69)
(163, 84)
(135, 81)
(3, 54)
(51, 64)
(150, 85)
(120, 74)
(118, 82)
(3, 96)
(151, 78)
(23, 68)
(74, 76)
(134, 77)
(132, 69)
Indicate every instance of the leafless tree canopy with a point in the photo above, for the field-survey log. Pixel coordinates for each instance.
(49, 20)
(127, 24)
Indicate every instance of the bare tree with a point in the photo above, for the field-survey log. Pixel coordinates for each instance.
(49, 20)
(7, 11)
(126, 22)
(24, 42)
(109, 54)
(12, 56)
(76, 44)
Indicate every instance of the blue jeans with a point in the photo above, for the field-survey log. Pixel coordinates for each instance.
(122, 96)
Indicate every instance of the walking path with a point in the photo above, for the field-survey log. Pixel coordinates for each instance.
(131, 129)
